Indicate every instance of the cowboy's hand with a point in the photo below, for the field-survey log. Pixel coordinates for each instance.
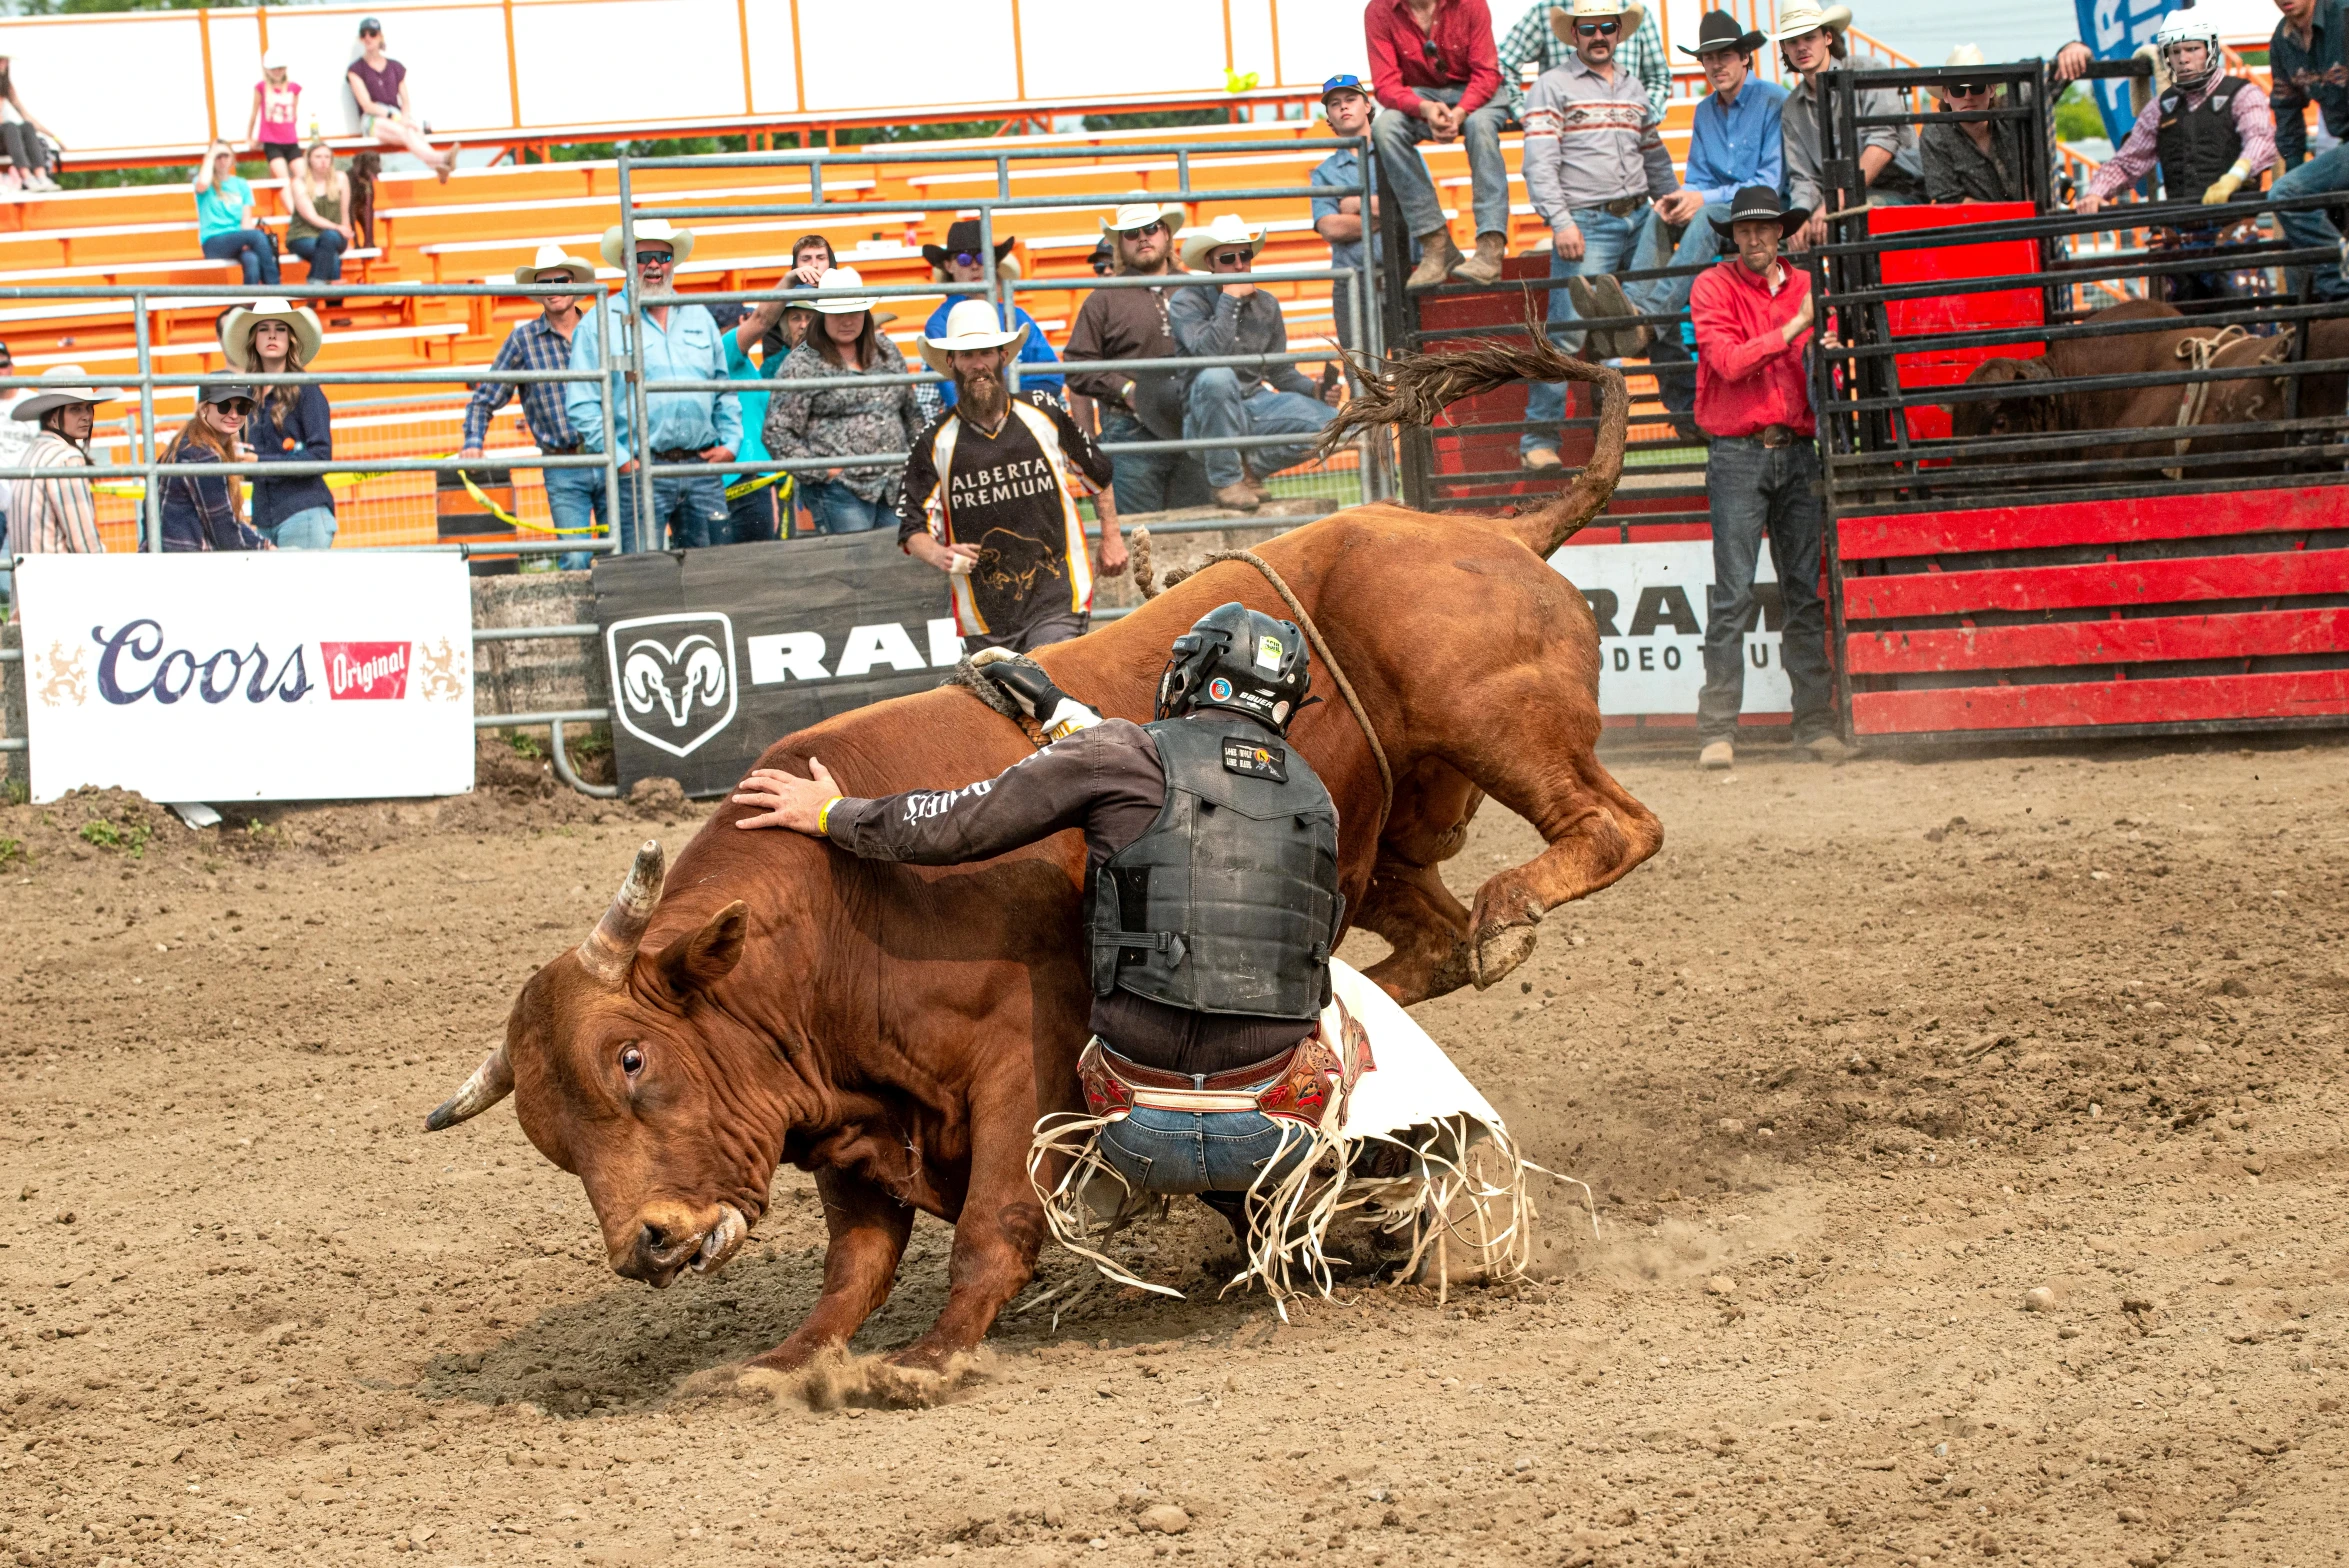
(1239, 290)
(2070, 61)
(717, 454)
(1680, 206)
(470, 451)
(784, 800)
(1112, 555)
(1568, 239)
(2222, 189)
(1021, 679)
(2089, 204)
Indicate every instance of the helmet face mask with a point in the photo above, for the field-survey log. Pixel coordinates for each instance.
(1241, 660)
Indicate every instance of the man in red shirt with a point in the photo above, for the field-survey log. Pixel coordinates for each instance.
(1753, 322)
(1434, 68)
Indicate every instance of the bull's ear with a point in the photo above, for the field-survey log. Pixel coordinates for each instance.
(710, 954)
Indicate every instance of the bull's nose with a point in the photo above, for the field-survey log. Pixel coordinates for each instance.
(651, 1238)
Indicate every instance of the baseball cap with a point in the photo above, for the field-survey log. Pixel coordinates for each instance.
(369, 24)
(1344, 83)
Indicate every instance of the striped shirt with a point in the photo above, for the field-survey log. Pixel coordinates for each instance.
(53, 516)
(1534, 41)
(1587, 141)
(531, 346)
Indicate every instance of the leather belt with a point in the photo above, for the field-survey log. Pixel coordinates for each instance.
(1775, 435)
(1297, 1084)
(1624, 206)
(678, 454)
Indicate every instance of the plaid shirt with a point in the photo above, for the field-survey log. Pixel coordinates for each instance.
(531, 346)
(1533, 42)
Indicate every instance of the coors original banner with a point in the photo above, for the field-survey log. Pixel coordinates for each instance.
(714, 655)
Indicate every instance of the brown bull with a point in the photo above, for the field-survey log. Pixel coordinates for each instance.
(898, 1030)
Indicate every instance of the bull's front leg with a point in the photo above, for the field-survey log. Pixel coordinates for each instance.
(868, 1229)
(996, 1236)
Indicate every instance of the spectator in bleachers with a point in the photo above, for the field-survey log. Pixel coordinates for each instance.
(226, 227)
(1131, 323)
(379, 85)
(750, 497)
(275, 125)
(1973, 160)
(24, 139)
(574, 496)
(1223, 402)
(2308, 61)
(319, 230)
(959, 261)
(804, 422)
(811, 258)
(1812, 43)
(1543, 39)
(1346, 104)
(288, 424)
(1432, 65)
(1592, 163)
(53, 516)
(206, 511)
(686, 427)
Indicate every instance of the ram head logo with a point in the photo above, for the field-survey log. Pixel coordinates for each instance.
(673, 677)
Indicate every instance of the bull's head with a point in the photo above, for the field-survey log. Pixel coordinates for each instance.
(2013, 416)
(627, 1074)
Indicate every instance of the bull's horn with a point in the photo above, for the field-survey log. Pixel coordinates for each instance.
(610, 949)
(491, 1082)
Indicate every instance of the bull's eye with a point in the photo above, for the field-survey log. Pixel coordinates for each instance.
(631, 1060)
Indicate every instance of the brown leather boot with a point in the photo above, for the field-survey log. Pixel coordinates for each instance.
(1437, 257)
(1238, 498)
(1485, 265)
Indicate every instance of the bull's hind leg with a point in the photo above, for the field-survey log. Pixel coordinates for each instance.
(867, 1228)
(1407, 903)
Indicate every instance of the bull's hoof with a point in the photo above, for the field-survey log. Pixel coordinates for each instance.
(792, 1355)
(1500, 950)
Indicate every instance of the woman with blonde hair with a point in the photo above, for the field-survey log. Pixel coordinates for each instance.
(287, 424)
(320, 229)
(204, 511)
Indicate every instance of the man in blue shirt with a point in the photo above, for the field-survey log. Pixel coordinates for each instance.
(1347, 105)
(2308, 61)
(960, 260)
(681, 344)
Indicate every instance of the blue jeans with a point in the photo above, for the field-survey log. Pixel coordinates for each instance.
(1397, 136)
(1171, 1152)
(2316, 226)
(692, 507)
(249, 248)
(1218, 406)
(754, 516)
(575, 501)
(840, 510)
(311, 528)
(1608, 245)
(1756, 490)
(1151, 481)
(324, 253)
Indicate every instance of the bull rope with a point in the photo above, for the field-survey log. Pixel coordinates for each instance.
(2197, 353)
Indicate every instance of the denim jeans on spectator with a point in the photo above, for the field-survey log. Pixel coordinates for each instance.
(754, 516)
(2327, 171)
(312, 528)
(840, 510)
(575, 501)
(1170, 1152)
(1218, 407)
(1151, 481)
(324, 253)
(1755, 491)
(1609, 244)
(249, 248)
(692, 507)
(1398, 135)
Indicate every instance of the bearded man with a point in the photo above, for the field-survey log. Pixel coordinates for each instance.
(991, 490)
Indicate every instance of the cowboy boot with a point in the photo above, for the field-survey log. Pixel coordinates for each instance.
(1238, 497)
(1612, 301)
(1597, 342)
(1485, 265)
(1437, 257)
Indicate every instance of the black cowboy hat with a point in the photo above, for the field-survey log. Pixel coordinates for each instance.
(1759, 201)
(1720, 30)
(962, 238)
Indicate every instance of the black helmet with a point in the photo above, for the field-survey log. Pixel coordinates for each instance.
(1240, 659)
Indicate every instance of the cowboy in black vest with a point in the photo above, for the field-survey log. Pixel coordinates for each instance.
(2211, 133)
(1211, 887)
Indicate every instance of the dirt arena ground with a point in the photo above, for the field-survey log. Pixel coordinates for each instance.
(1864, 1059)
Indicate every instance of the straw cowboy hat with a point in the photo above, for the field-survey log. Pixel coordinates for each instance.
(1228, 229)
(1797, 17)
(841, 280)
(1141, 214)
(972, 324)
(553, 258)
(1563, 17)
(236, 331)
(33, 404)
(1719, 30)
(962, 238)
(679, 240)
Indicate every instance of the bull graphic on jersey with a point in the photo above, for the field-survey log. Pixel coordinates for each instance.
(1011, 563)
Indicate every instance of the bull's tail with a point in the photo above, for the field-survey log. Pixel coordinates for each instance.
(1415, 389)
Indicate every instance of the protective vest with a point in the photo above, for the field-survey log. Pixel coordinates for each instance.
(2198, 145)
(1230, 902)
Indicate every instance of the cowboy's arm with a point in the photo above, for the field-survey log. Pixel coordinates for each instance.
(1284, 378)
(490, 396)
(583, 402)
(2134, 159)
(1086, 340)
(1661, 180)
(1204, 321)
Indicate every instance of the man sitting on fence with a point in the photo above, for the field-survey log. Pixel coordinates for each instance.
(1131, 323)
(681, 344)
(1891, 168)
(574, 496)
(2308, 60)
(1222, 401)
(1341, 220)
(1434, 69)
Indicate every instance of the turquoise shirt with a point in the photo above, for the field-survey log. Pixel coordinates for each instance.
(221, 209)
(741, 367)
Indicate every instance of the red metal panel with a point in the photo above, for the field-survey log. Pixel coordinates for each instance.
(1942, 367)
(2265, 574)
(2261, 634)
(2193, 699)
(2095, 522)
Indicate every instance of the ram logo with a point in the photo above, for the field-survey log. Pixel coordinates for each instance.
(673, 684)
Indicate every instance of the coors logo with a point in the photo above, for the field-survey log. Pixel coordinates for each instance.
(365, 671)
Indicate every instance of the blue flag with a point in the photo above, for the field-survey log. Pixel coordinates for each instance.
(2115, 30)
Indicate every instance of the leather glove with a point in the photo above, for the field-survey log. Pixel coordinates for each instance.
(2222, 189)
(1023, 680)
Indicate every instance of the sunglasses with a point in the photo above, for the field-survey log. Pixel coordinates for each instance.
(1429, 52)
(236, 409)
(655, 258)
(1597, 29)
(1154, 226)
(1968, 89)
(966, 258)
(1230, 258)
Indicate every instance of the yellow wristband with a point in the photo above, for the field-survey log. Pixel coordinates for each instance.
(824, 814)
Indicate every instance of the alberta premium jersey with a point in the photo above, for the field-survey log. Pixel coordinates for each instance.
(1013, 494)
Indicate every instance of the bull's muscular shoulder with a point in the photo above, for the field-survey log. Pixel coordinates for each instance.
(928, 740)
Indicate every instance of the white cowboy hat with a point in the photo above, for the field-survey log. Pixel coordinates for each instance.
(1141, 214)
(840, 280)
(1228, 229)
(553, 258)
(1966, 54)
(1562, 17)
(32, 404)
(678, 240)
(272, 61)
(236, 331)
(972, 324)
(1797, 17)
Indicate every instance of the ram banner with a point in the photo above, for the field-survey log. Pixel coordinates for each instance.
(1649, 601)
